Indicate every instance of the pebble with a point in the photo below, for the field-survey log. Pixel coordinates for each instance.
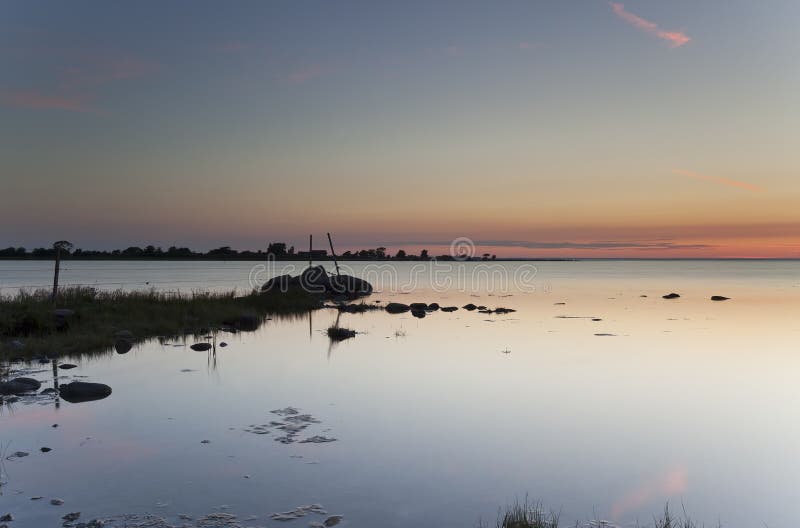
(72, 516)
(45, 450)
(205, 441)
(56, 502)
(333, 520)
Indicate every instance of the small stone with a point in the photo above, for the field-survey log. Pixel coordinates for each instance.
(19, 454)
(333, 520)
(56, 502)
(223, 344)
(70, 517)
(67, 366)
(7, 518)
(54, 426)
(205, 441)
(45, 450)
(37, 498)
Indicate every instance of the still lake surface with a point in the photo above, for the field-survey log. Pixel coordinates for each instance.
(438, 421)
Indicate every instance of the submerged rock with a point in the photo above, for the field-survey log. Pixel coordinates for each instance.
(67, 366)
(419, 314)
(79, 391)
(449, 308)
(397, 308)
(719, 298)
(122, 346)
(19, 386)
(672, 295)
(333, 520)
(419, 306)
(201, 347)
(340, 334)
(470, 307)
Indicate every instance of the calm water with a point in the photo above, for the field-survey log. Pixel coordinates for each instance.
(440, 420)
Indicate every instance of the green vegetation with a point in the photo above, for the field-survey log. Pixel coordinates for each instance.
(95, 317)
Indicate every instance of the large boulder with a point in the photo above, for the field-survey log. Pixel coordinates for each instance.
(315, 280)
(79, 391)
(281, 283)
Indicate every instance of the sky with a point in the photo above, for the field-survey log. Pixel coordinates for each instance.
(643, 128)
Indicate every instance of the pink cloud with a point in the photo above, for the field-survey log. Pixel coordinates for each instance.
(675, 39)
(91, 70)
(673, 482)
(720, 180)
(306, 73)
(38, 101)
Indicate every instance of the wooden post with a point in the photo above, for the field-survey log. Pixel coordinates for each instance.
(333, 253)
(310, 245)
(58, 246)
(55, 273)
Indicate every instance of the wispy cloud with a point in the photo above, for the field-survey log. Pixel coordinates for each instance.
(720, 180)
(37, 101)
(591, 245)
(306, 73)
(675, 39)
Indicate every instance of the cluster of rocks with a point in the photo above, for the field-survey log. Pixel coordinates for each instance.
(316, 280)
(674, 295)
(420, 310)
(291, 425)
(302, 511)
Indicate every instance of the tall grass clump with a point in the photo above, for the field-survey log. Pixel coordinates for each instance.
(29, 324)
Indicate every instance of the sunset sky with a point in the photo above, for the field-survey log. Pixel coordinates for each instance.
(645, 128)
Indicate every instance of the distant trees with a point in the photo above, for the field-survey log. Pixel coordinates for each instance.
(275, 250)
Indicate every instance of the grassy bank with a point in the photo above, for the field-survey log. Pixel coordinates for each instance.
(31, 325)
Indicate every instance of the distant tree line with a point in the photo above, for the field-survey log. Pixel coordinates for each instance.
(275, 250)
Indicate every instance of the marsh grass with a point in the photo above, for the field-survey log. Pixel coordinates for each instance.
(531, 515)
(28, 316)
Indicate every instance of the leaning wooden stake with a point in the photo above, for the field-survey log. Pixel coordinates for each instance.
(333, 253)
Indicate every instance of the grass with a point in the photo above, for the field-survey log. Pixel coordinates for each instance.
(337, 333)
(531, 515)
(28, 317)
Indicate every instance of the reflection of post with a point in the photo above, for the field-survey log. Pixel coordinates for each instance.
(310, 331)
(55, 383)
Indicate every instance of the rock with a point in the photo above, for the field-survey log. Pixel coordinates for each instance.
(418, 306)
(67, 366)
(20, 454)
(481, 307)
(432, 307)
(247, 322)
(350, 286)
(122, 346)
(56, 502)
(223, 344)
(397, 308)
(333, 520)
(340, 334)
(205, 441)
(419, 314)
(449, 308)
(7, 518)
(315, 280)
(504, 310)
(18, 386)
(469, 307)
(672, 295)
(280, 283)
(201, 347)
(79, 391)
(719, 298)
(70, 517)
(45, 450)
(30, 382)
